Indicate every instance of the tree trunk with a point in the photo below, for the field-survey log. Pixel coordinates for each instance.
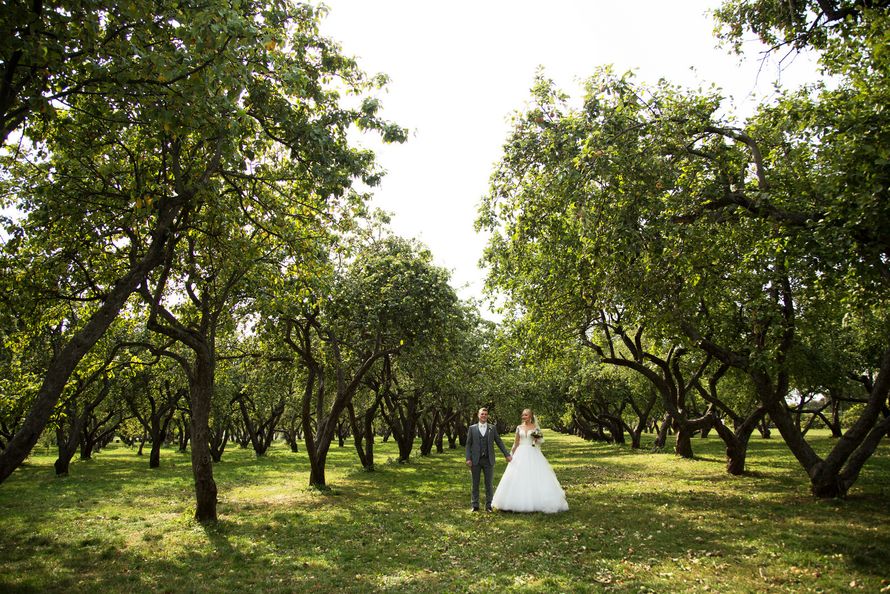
(183, 435)
(444, 424)
(452, 432)
(764, 428)
(67, 442)
(316, 471)
(341, 435)
(218, 441)
(736, 456)
(683, 447)
(158, 418)
(261, 435)
(835, 423)
(326, 432)
(63, 363)
(834, 476)
(86, 449)
(687, 428)
(319, 456)
(403, 423)
(292, 440)
(368, 462)
(661, 438)
(61, 464)
(642, 418)
(616, 430)
(316, 451)
(67, 446)
(290, 428)
(154, 457)
(363, 433)
(737, 441)
(428, 427)
(406, 446)
(328, 426)
(202, 463)
(461, 429)
(95, 438)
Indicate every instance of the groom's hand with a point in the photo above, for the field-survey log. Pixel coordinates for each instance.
(509, 458)
(470, 463)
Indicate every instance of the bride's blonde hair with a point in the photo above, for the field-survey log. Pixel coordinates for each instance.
(532, 416)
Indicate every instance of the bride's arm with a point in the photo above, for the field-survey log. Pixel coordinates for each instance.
(515, 443)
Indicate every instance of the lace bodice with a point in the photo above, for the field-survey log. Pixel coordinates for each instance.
(525, 437)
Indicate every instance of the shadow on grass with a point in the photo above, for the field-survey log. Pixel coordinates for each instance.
(637, 522)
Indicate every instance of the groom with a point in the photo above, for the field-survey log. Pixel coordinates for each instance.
(481, 438)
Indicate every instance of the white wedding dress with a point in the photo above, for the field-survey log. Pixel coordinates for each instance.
(529, 483)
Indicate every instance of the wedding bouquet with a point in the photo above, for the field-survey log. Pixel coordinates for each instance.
(537, 437)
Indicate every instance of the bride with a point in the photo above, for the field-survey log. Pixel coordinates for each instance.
(529, 484)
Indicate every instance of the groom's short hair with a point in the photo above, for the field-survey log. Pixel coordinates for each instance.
(481, 409)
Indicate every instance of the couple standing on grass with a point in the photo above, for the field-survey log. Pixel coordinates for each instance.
(528, 484)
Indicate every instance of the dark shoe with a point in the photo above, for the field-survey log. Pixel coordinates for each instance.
(488, 508)
(475, 509)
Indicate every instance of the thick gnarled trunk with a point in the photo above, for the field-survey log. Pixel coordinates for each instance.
(400, 413)
(363, 432)
(64, 362)
(834, 475)
(737, 441)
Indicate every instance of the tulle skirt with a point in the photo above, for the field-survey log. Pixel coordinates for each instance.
(529, 484)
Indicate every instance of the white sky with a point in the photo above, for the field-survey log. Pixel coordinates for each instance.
(460, 68)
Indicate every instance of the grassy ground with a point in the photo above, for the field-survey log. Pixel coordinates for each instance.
(638, 522)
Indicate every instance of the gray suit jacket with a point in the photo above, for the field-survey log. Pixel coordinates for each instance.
(474, 443)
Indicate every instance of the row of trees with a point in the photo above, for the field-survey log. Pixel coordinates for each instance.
(180, 187)
(678, 255)
(185, 243)
(387, 349)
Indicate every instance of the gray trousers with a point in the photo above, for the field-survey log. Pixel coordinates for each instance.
(485, 466)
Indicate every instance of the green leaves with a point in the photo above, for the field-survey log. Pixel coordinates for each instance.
(393, 290)
(214, 133)
(647, 202)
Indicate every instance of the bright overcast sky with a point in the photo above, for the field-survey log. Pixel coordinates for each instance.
(458, 70)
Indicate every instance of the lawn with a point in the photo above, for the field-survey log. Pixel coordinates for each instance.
(639, 522)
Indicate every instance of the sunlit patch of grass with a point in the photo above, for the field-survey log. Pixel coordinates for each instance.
(639, 522)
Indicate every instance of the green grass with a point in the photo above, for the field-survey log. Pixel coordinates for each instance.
(638, 522)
